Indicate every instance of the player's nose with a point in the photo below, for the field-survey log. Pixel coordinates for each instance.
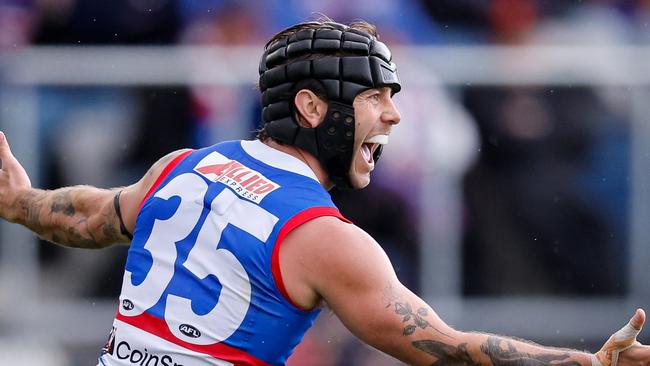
(391, 114)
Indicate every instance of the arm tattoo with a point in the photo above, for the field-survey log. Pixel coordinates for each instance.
(81, 217)
(61, 202)
(503, 352)
(500, 351)
(30, 206)
(110, 231)
(413, 320)
(446, 354)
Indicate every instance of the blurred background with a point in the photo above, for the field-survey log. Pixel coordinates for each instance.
(514, 196)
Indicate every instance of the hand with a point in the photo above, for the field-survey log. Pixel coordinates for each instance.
(622, 347)
(13, 180)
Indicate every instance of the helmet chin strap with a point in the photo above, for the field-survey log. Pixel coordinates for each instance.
(335, 136)
(331, 142)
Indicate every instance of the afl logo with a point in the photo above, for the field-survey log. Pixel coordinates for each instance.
(127, 304)
(189, 331)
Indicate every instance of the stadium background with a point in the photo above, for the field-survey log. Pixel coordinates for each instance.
(514, 196)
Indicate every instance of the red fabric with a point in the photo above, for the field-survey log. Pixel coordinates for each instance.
(159, 328)
(289, 226)
(172, 164)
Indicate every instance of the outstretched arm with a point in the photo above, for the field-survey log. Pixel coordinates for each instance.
(79, 216)
(344, 266)
(503, 351)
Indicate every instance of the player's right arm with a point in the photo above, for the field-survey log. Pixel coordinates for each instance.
(79, 216)
(326, 259)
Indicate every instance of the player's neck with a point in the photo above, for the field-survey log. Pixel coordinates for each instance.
(305, 157)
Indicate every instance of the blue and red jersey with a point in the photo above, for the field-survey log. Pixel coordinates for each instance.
(202, 283)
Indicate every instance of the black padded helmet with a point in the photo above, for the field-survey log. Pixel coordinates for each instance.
(335, 61)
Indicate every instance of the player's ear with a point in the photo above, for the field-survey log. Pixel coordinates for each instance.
(310, 107)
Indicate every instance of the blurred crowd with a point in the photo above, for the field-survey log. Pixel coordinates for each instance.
(539, 176)
(233, 22)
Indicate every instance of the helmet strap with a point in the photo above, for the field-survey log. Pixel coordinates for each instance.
(331, 142)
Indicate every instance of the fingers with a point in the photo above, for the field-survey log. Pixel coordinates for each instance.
(4, 145)
(6, 156)
(626, 336)
(620, 341)
(5, 150)
(638, 319)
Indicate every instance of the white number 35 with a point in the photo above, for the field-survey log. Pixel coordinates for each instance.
(205, 259)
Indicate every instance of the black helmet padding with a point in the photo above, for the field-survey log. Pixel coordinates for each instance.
(350, 61)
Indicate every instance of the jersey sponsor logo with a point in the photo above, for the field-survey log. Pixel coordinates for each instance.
(244, 181)
(142, 357)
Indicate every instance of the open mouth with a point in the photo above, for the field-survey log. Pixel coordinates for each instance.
(370, 145)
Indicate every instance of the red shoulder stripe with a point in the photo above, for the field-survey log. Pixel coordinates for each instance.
(289, 226)
(172, 164)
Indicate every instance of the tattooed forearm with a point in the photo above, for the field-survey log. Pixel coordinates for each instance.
(446, 354)
(29, 208)
(79, 216)
(502, 352)
(426, 339)
(405, 310)
(499, 351)
(413, 320)
(62, 202)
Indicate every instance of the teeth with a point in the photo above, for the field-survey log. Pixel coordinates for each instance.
(377, 139)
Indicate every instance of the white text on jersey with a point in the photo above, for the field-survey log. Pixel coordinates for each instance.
(244, 181)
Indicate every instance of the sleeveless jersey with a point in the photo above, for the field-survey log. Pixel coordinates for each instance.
(202, 283)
